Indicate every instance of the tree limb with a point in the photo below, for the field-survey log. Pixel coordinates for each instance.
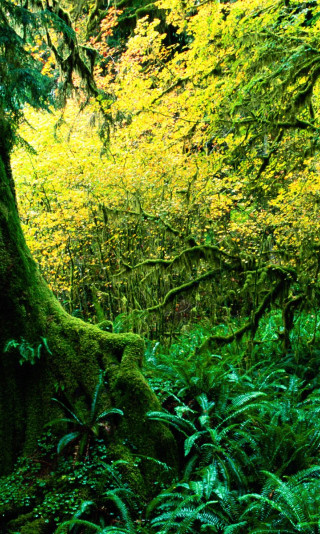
(198, 249)
(216, 340)
(183, 288)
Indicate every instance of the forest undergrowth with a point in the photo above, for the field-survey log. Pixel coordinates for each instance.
(246, 420)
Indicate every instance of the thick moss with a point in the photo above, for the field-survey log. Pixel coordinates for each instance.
(17, 523)
(38, 526)
(133, 395)
(106, 326)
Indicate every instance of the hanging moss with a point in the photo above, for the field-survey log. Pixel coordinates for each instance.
(288, 311)
(252, 325)
(169, 297)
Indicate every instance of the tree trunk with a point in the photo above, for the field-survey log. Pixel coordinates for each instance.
(29, 311)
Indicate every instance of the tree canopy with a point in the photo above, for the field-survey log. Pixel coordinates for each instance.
(212, 117)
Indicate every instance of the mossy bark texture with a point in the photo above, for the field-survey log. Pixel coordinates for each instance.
(79, 352)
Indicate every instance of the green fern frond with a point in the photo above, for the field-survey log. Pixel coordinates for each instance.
(290, 500)
(183, 425)
(272, 504)
(191, 440)
(188, 516)
(235, 528)
(67, 410)
(163, 465)
(65, 440)
(124, 512)
(240, 400)
(163, 500)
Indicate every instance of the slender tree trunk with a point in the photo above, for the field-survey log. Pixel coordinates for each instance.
(29, 311)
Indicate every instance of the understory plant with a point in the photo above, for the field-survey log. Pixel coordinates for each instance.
(248, 432)
(248, 426)
(84, 424)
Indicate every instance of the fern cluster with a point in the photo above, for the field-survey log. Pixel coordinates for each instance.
(247, 421)
(248, 430)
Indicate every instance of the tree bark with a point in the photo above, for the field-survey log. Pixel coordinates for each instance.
(79, 351)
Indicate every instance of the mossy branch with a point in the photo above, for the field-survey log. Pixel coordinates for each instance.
(288, 318)
(145, 10)
(297, 124)
(138, 13)
(171, 87)
(166, 224)
(273, 151)
(198, 251)
(94, 19)
(283, 273)
(146, 215)
(252, 324)
(183, 288)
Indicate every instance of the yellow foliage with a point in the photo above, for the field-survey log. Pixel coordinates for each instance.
(193, 126)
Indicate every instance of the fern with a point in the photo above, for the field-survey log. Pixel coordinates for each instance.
(250, 418)
(123, 510)
(184, 515)
(293, 503)
(85, 426)
(180, 424)
(28, 353)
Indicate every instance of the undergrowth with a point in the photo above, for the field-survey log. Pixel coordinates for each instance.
(246, 420)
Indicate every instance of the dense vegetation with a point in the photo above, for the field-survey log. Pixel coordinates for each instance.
(208, 174)
(247, 424)
(169, 187)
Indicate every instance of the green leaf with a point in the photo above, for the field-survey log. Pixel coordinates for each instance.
(65, 440)
(70, 412)
(190, 441)
(107, 413)
(184, 426)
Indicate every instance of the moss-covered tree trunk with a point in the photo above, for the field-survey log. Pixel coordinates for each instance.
(29, 311)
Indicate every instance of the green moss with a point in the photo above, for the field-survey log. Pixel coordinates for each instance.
(133, 395)
(25, 524)
(129, 469)
(38, 526)
(106, 326)
(17, 523)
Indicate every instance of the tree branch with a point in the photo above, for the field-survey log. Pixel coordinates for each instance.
(286, 125)
(216, 340)
(183, 288)
(198, 250)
